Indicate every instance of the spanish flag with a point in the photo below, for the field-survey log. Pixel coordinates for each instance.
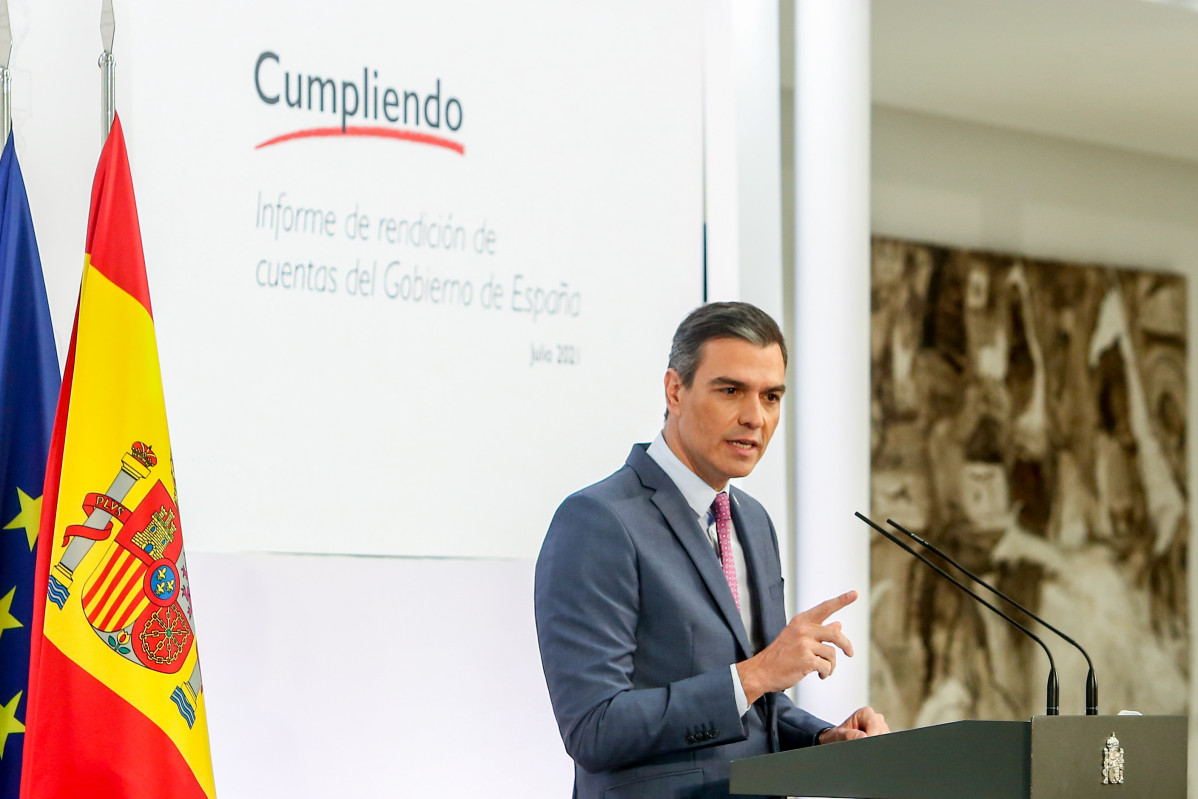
(116, 705)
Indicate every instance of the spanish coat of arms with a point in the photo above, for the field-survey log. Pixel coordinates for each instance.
(1112, 762)
(137, 598)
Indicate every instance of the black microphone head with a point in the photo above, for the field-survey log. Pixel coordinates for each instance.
(1053, 707)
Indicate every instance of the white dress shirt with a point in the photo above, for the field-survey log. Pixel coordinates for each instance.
(700, 496)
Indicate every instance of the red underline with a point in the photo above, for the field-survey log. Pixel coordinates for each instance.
(360, 130)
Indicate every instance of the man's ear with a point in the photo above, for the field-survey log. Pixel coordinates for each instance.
(673, 386)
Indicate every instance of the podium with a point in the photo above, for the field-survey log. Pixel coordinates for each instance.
(1049, 757)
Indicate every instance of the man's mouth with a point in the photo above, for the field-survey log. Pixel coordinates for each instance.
(740, 443)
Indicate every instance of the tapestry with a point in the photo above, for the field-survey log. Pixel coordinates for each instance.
(1028, 417)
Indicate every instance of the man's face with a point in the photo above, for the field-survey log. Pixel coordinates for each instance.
(719, 427)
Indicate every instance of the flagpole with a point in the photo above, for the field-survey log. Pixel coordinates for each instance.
(5, 76)
(107, 69)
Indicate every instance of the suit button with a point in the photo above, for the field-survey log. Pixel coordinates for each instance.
(690, 739)
(711, 735)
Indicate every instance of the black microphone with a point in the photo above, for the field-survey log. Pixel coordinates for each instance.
(1052, 706)
(1091, 682)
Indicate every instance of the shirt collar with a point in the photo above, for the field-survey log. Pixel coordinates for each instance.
(694, 490)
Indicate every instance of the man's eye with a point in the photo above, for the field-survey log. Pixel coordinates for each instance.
(730, 390)
(772, 398)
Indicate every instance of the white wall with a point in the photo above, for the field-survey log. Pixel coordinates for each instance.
(742, 156)
(968, 185)
(830, 338)
(351, 676)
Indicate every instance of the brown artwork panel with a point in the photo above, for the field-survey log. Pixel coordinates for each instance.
(1028, 417)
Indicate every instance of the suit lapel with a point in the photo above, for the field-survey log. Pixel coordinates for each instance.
(681, 520)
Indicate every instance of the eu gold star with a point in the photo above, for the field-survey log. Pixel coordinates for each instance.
(8, 721)
(7, 620)
(30, 516)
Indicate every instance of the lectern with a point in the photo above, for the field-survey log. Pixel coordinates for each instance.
(1049, 757)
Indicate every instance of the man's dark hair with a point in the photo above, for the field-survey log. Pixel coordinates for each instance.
(720, 320)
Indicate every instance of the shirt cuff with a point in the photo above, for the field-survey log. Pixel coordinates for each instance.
(742, 701)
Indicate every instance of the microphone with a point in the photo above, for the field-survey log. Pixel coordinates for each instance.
(1053, 703)
(1091, 682)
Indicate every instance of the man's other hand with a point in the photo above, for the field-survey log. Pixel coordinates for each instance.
(862, 724)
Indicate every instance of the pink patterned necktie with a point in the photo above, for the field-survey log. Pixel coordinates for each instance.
(723, 529)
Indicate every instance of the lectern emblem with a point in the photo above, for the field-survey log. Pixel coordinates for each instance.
(1112, 762)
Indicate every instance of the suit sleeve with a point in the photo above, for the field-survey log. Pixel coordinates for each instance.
(587, 609)
(796, 727)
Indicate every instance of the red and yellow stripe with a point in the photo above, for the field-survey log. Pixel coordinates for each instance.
(99, 725)
(117, 596)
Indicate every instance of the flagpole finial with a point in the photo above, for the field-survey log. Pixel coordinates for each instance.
(5, 77)
(107, 69)
(107, 25)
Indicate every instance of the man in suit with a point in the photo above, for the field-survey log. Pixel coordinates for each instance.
(659, 594)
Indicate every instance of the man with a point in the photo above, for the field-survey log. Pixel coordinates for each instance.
(659, 595)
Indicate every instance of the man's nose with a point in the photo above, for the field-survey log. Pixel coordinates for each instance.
(752, 414)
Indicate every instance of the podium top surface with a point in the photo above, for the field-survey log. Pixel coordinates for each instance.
(1051, 757)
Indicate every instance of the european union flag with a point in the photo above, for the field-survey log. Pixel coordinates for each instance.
(28, 395)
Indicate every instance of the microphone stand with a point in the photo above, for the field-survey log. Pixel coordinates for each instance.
(1053, 703)
(1091, 682)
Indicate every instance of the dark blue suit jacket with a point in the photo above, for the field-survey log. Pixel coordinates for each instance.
(637, 630)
